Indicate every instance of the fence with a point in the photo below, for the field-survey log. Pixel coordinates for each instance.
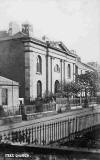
(45, 134)
(40, 108)
(69, 102)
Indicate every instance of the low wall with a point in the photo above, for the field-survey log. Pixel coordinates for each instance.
(10, 119)
(39, 107)
(49, 130)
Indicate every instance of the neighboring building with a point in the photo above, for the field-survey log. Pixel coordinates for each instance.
(96, 66)
(9, 94)
(83, 67)
(38, 65)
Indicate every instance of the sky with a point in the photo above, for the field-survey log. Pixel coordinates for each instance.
(74, 22)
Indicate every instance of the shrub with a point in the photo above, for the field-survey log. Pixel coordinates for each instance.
(2, 112)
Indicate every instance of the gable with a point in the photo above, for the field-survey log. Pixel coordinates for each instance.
(19, 35)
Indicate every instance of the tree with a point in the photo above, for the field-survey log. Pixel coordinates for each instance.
(88, 82)
(71, 88)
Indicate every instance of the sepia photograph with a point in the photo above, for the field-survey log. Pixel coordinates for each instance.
(49, 79)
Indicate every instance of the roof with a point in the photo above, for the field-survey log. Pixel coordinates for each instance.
(7, 82)
(52, 44)
(86, 65)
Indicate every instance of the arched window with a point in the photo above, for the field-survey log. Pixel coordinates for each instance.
(69, 71)
(57, 86)
(39, 89)
(39, 64)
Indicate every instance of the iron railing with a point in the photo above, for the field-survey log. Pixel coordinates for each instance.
(45, 134)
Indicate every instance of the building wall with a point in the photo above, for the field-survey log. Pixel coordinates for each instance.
(13, 95)
(31, 74)
(48, 76)
(18, 58)
(9, 94)
(82, 68)
(62, 60)
(12, 61)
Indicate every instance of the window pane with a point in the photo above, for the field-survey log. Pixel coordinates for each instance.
(39, 64)
(4, 96)
(39, 89)
(69, 71)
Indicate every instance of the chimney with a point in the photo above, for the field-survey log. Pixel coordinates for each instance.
(13, 28)
(27, 29)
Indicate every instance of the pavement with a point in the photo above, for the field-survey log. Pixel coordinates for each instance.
(48, 119)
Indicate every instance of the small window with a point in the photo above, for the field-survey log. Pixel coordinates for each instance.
(57, 68)
(39, 64)
(4, 96)
(69, 71)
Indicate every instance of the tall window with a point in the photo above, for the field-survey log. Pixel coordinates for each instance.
(76, 70)
(4, 96)
(39, 64)
(69, 71)
(76, 73)
(57, 86)
(39, 89)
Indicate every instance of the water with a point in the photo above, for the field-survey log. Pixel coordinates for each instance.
(92, 142)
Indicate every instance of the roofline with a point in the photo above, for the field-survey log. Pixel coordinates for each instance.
(37, 41)
(88, 66)
(42, 43)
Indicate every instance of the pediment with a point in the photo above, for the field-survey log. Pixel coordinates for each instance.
(19, 35)
(59, 45)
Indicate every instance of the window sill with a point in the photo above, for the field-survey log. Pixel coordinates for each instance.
(57, 71)
(39, 73)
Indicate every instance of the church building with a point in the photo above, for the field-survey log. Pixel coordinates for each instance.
(39, 66)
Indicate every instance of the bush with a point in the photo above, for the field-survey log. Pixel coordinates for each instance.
(2, 112)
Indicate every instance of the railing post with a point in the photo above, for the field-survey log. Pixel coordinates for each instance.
(29, 136)
(35, 135)
(48, 133)
(40, 134)
(68, 128)
(60, 130)
(26, 134)
(52, 131)
(32, 134)
(65, 127)
(76, 125)
(22, 136)
(56, 131)
(62, 122)
(43, 135)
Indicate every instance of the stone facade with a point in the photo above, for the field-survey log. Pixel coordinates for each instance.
(38, 65)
